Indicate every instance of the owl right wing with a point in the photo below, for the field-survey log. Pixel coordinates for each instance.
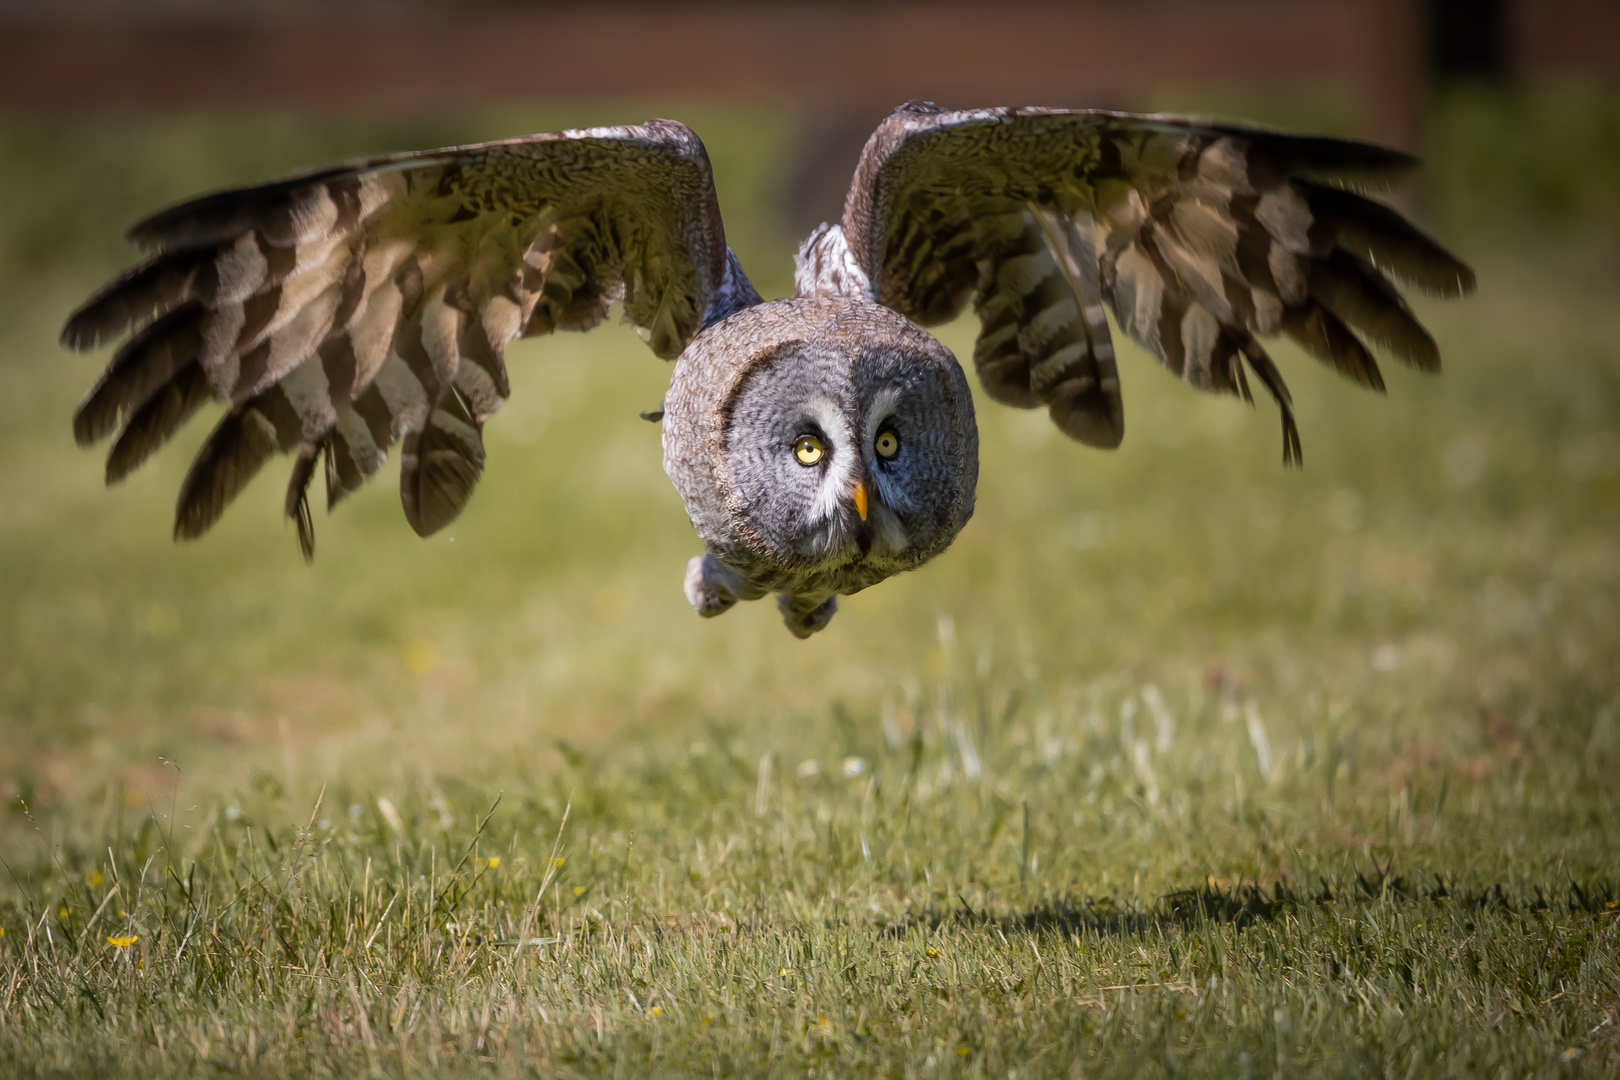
(345, 310)
(1201, 237)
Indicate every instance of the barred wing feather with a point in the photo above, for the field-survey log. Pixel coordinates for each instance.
(1201, 237)
(345, 310)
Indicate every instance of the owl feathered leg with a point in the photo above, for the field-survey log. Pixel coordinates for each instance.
(713, 588)
(804, 615)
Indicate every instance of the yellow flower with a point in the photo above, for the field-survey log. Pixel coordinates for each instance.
(655, 1011)
(963, 1051)
(931, 952)
(2, 931)
(124, 941)
(62, 914)
(494, 862)
(579, 890)
(1612, 904)
(559, 860)
(95, 877)
(785, 972)
(421, 655)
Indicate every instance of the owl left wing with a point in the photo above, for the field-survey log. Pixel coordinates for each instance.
(1201, 237)
(345, 310)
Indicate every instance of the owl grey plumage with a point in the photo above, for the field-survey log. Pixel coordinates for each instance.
(886, 411)
(820, 443)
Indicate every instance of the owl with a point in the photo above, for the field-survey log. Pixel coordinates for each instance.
(820, 443)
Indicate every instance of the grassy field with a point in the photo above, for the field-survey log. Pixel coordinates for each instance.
(1177, 763)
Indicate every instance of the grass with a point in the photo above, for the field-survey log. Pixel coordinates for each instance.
(1176, 764)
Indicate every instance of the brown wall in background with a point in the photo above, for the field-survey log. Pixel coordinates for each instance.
(1568, 39)
(820, 56)
(828, 57)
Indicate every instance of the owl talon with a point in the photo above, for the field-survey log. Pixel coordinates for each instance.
(804, 615)
(713, 588)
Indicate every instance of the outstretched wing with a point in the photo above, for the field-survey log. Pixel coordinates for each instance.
(1201, 237)
(345, 310)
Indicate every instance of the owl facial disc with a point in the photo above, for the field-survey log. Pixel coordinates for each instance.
(839, 435)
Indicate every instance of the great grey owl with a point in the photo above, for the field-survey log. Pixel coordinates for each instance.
(820, 443)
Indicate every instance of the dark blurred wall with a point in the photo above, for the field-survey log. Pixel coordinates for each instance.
(838, 65)
(1563, 40)
(91, 53)
(1466, 39)
(79, 53)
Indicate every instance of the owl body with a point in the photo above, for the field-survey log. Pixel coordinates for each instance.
(820, 443)
(884, 409)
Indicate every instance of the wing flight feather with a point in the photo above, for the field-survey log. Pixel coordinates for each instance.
(343, 311)
(1201, 237)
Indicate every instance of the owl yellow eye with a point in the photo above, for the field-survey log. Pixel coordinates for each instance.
(887, 445)
(807, 449)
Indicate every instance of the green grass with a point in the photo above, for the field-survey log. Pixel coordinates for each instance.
(1177, 763)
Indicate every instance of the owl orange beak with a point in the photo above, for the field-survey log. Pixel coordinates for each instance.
(859, 496)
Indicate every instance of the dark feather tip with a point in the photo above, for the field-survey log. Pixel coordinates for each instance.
(77, 335)
(94, 420)
(306, 530)
(1293, 454)
(91, 323)
(297, 502)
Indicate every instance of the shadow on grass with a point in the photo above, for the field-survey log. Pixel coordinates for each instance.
(1242, 905)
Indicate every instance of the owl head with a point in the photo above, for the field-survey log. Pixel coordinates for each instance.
(840, 437)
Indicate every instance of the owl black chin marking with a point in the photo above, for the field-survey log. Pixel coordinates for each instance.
(846, 542)
(863, 537)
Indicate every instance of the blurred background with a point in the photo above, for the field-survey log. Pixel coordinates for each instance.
(1449, 553)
